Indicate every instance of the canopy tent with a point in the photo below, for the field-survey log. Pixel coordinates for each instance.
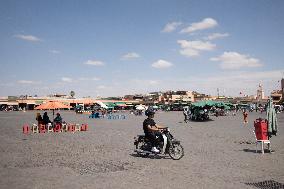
(120, 104)
(243, 106)
(226, 107)
(208, 104)
(110, 105)
(102, 104)
(52, 105)
(229, 104)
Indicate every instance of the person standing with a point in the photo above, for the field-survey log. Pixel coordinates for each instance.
(245, 115)
(186, 115)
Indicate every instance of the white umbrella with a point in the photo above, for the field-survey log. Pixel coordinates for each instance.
(140, 107)
(155, 107)
(102, 104)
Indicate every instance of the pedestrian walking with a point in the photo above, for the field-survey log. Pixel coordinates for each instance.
(245, 114)
(186, 115)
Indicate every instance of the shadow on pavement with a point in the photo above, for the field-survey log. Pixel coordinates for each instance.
(208, 120)
(150, 156)
(249, 150)
(258, 151)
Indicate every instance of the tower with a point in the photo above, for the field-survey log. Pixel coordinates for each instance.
(260, 93)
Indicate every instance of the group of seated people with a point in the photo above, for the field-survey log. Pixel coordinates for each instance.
(95, 114)
(45, 119)
(98, 113)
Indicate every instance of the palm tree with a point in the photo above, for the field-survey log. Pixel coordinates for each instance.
(72, 94)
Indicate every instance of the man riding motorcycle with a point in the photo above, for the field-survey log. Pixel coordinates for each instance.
(152, 130)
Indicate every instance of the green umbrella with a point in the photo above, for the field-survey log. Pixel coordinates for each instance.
(202, 104)
(110, 105)
(271, 118)
(208, 103)
(226, 107)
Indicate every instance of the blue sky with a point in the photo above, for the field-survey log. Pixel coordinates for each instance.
(113, 48)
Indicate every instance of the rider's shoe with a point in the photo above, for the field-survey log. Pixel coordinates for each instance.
(155, 150)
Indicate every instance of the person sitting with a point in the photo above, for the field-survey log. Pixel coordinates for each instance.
(96, 115)
(92, 115)
(151, 129)
(45, 118)
(58, 119)
(39, 119)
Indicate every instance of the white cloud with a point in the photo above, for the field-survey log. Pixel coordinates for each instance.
(89, 79)
(198, 45)
(193, 48)
(217, 36)
(7, 84)
(131, 55)
(67, 79)
(189, 52)
(234, 60)
(28, 38)
(54, 51)
(95, 63)
(28, 82)
(170, 27)
(204, 24)
(161, 64)
(101, 87)
(153, 82)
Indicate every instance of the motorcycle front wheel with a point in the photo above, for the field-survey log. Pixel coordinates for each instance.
(176, 151)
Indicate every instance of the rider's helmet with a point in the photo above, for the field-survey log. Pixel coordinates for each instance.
(149, 112)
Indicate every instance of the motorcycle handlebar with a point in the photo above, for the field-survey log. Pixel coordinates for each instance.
(163, 129)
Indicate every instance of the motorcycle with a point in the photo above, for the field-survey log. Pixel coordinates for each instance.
(168, 145)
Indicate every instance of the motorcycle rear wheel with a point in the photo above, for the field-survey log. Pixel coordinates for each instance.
(138, 147)
(176, 151)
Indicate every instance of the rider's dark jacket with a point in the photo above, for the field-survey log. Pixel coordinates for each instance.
(151, 135)
(147, 122)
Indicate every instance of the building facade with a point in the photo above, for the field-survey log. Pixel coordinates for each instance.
(176, 96)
